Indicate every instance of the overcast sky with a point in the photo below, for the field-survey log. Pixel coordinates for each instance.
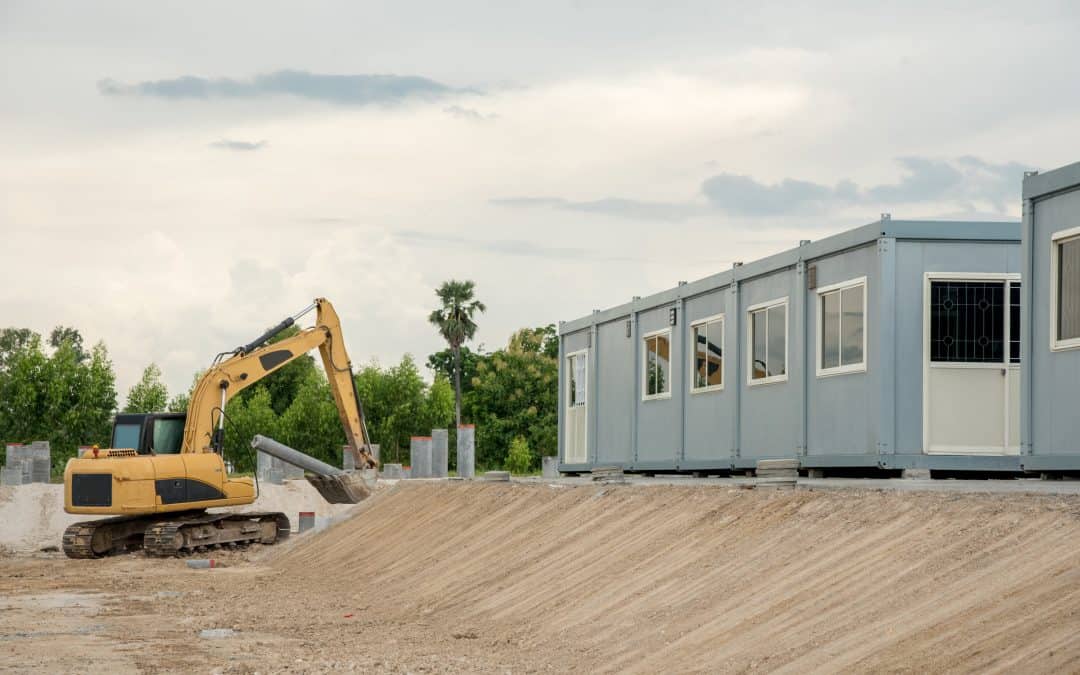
(177, 176)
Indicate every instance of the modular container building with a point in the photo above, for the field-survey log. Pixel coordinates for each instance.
(1051, 339)
(894, 345)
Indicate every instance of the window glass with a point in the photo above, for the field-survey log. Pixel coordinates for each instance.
(851, 325)
(126, 436)
(715, 349)
(759, 335)
(777, 360)
(663, 364)
(830, 330)
(1068, 287)
(168, 435)
(701, 356)
(708, 354)
(1014, 322)
(657, 365)
(768, 338)
(580, 365)
(967, 321)
(577, 380)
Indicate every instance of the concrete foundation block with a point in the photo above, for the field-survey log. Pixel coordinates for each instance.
(466, 451)
(549, 467)
(440, 449)
(500, 476)
(420, 456)
(815, 473)
(920, 474)
(393, 471)
(10, 475)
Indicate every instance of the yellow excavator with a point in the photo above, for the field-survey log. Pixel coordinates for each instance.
(165, 469)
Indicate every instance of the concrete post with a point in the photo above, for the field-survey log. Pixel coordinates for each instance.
(466, 451)
(420, 457)
(440, 448)
(550, 467)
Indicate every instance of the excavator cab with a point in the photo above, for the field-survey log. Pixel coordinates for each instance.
(149, 433)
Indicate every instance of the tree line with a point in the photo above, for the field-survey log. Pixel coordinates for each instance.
(59, 391)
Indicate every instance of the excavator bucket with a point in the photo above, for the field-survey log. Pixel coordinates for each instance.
(344, 488)
(335, 485)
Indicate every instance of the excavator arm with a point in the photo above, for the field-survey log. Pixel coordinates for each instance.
(235, 371)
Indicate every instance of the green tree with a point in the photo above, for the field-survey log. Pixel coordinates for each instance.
(442, 363)
(66, 398)
(519, 458)
(149, 394)
(244, 419)
(14, 340)
(62, 334)
(454, 321)
(311, 423)
(515, 393)
(398, 404)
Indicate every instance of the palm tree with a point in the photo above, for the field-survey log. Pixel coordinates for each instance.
(454, 320)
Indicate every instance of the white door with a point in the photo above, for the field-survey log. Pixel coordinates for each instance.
(577, 409)
(972, 365)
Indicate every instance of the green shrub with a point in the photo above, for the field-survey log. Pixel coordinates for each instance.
(519, 459)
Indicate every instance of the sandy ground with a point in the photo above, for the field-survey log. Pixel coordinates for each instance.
(537, 578)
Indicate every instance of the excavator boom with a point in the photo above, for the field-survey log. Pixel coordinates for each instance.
(250, 363)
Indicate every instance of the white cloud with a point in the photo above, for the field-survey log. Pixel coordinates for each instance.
(118, 218)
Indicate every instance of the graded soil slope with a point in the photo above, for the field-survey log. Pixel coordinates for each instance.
(662, 579)
(484, 577)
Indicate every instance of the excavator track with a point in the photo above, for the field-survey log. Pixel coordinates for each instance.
(210, 530)
(108, 536)
(182, 533)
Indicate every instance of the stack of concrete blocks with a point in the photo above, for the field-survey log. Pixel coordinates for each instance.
(420, 457)
(440, 453)
(393, 471)
(348, 461)
(777, 473)
(466, 451)
(26, 464)
(273, 470)
(549, 468)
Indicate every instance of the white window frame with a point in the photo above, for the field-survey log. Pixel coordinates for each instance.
(645, 363)
(1056, 239)
(773, 379)
(584, 353)
(723, 351)
(821, 293)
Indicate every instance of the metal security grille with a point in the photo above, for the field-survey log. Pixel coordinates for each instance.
(967, 321)
(1014, 322)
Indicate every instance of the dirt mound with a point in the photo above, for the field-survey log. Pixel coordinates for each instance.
(658, 579)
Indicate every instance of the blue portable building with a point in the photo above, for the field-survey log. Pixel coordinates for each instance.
(894, 345)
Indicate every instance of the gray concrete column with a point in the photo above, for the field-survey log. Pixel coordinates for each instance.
(420, 457)
(466, 451)
(440, 449)
(550, 467)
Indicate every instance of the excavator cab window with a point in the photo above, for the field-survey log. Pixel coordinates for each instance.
(126, 435)
(168, 435)
(149, 433)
